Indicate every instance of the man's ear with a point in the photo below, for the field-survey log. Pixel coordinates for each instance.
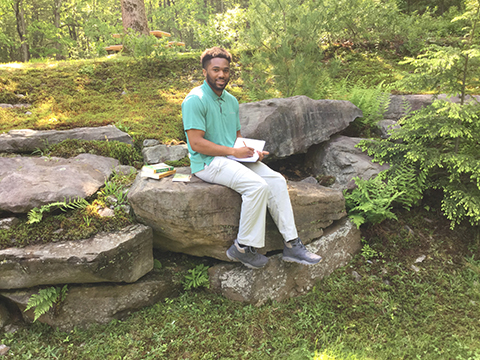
(204, 73)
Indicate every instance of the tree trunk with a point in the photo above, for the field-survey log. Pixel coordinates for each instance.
(21, 29)
(134, 17)
(56, 20)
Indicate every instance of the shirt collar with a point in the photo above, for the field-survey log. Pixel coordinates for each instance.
(207, 89)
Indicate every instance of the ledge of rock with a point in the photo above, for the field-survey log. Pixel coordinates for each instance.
(279, 280)
(100, 303)
(340, 158)
(160, 153)
(290, 126)
(122, 256)
(29, 182)
(201, 219)
(26, 140)
(396, 108)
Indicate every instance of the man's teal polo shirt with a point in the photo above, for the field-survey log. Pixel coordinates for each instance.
(218, 116)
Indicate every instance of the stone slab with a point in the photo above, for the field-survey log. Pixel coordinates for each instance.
(122, 256)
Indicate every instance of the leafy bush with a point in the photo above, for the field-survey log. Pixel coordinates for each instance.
(441, 143)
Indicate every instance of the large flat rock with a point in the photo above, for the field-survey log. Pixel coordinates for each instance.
(100, 303)
(290, 126)
(29, 182)
(26, 140)
(122, 256)
(279, 280)
(201, 219)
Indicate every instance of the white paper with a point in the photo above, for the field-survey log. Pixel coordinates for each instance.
(258, 145)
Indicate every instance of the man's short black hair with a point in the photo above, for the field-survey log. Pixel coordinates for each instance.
(214, 52)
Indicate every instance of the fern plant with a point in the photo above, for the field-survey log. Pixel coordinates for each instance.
(36, 214)
(45, 300)
(197, 277)
(371, 202)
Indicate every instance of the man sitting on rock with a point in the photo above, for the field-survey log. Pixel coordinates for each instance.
(212, 124)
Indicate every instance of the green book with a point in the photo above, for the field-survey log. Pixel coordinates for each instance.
(157, 168)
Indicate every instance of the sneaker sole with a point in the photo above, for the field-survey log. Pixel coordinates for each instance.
(246, 264)
(303, 262)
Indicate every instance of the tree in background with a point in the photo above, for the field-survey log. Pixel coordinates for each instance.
(21, 28)
(134, 16)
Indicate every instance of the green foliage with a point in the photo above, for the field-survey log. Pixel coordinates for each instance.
(46, 299)
(371, 201)
(142, 46)
(197, 278)
(116, 190)
(287, 58)
(441, 141)
(224, 29)
(36, 214)
(126, 154)
(452, 69)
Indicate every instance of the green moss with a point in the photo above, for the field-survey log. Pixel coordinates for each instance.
(179, 163)
(125, 153)
(71, 225)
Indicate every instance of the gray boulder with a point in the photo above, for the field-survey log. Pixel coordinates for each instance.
(122, 256)
(100, 303)
(290, 126)
(385, 127)
(339, 157)
(27, 140)
(201, 219)
(29, 182)
(279, 280)
(396, 109)
(160, 153)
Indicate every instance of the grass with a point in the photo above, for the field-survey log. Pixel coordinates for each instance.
(393, 312)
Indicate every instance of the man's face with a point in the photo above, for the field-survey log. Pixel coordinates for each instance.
(217, 74)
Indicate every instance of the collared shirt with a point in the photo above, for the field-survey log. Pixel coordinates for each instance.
(218, 116)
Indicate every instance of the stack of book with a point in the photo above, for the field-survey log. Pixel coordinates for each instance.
(157, 171)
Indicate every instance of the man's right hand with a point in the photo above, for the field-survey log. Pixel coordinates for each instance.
(243, 152)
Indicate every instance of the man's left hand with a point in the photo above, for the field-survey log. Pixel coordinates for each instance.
(262, 154)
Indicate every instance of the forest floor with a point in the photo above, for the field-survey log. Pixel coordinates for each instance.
(412, 293)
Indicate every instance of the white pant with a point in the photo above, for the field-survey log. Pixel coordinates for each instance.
(260, 187)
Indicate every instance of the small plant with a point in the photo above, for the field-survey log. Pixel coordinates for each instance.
(371, 202)
(368, 252)
(157, 264)
(36, 214)
(196, 278)
(116, 190)
(87, 220)
(43, 151)
(46, 299)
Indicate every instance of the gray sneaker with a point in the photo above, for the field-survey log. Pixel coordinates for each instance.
(247, 255)
(295, 251)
